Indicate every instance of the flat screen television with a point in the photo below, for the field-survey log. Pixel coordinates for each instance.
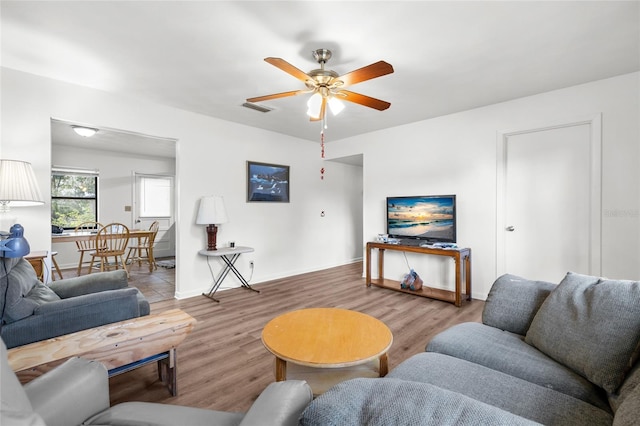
(428, 218)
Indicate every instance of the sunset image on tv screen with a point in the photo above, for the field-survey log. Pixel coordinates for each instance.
(421, 217)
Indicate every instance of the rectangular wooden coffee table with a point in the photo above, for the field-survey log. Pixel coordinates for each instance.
(120, 346)
(327, 345)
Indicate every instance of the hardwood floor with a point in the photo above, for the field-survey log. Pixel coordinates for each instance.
(223, 365)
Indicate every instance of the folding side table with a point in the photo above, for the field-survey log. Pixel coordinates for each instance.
(229, 255)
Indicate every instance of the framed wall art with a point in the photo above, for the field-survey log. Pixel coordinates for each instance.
(267, 182)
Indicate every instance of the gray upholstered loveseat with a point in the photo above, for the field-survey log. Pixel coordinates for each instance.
(77, 393)
(562, 354)
(32, 311)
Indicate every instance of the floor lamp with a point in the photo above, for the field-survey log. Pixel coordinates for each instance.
(212, 213)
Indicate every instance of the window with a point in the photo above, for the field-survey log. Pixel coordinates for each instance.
(74, 197)
(155, 196)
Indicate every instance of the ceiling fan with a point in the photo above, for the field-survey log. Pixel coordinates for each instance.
(328, 87)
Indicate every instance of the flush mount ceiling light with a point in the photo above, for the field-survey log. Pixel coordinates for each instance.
(84, 131)
(327, 86)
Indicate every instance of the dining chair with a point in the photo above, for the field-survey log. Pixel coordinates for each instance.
(56, 267)
(145, 244)
(87, 245)
(111, 241)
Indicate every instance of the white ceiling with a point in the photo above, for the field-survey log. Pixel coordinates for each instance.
(207, 56)
(112, 140)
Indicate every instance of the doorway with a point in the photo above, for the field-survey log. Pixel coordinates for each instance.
(117, 154)
(153, 201)
(548, 194)
(356, 200)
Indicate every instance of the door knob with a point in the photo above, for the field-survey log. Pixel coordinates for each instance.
(510, 228)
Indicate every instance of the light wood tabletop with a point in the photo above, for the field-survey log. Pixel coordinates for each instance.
(326, 338)
(72, 236)
(114, 344)
(120, 346)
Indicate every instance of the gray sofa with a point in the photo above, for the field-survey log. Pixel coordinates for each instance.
(77, 393)
(563, 354)
(32, 311)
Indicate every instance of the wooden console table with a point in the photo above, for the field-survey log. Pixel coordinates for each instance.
(459, 255)
(120, 346)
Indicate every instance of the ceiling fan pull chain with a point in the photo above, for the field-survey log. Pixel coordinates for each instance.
(322, 153)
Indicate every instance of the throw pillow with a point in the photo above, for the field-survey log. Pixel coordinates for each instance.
(513, 302)
(591, 325)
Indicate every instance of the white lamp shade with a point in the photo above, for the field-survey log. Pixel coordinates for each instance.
(212, 211)
(18, 185)
(335, 105)
(314, 105)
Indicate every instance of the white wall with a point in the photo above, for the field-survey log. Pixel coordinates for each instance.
(450, 154)
(456, 154)
(114, 185)
(289, 238)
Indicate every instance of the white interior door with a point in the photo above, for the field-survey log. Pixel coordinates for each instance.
(549, 221)
(153, 200)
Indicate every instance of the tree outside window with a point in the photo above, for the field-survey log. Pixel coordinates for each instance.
(74, 198)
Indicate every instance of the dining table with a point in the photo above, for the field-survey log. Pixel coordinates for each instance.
(73, 236)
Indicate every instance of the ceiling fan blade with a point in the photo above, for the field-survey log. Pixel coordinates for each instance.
(277, 96)
(378, 69)
(323, 111)
(288, 68)
(363, 100)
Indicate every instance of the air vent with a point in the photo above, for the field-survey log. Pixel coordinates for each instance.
(256, 107)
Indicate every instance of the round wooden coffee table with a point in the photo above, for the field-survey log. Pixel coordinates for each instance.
(326, 338)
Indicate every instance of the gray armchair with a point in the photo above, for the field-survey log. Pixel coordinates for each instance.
(77, 393)
(33, 311)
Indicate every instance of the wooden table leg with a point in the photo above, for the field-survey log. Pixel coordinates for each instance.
(381, 265)
(458, 297)
(281, 370)
(168, 372)
(384, 365)
(367, 279)
(467, 274)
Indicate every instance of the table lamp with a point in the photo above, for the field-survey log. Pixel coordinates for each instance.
(18, 185)
(15, 245)
(211, 213)
(18, 188)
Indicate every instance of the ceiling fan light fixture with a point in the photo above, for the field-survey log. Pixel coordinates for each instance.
(314, 105)
(84, 131)
(336, 105)
(326, 84)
